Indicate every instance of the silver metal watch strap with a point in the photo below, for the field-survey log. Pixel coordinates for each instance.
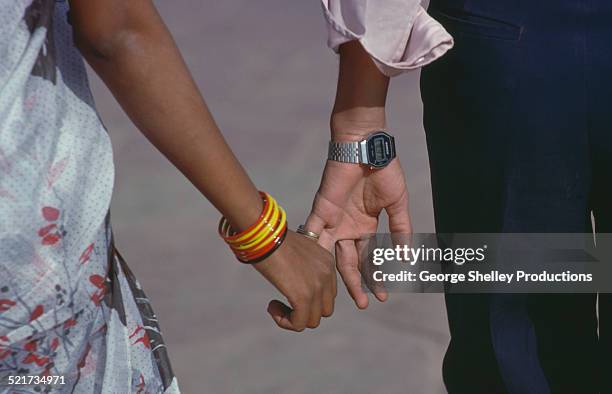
(345, 152)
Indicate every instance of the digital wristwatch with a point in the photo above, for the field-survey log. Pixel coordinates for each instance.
(376, 151)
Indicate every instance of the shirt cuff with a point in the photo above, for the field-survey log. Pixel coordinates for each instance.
(398, 36)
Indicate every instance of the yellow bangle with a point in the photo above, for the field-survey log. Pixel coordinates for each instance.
(263, 219)
(262, 238)
(266, 229)
(277, 230)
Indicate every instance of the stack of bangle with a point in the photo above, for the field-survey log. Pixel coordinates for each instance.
(261, 239)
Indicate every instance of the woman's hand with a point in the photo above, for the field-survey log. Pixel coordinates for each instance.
(130, 48)
(304, 273)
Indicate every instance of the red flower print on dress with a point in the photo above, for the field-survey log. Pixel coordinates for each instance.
(54, 343)
(98, 281)
(37, 312)
(97, 297)
(4, 352)
(5, 304)
(33, 358)
(144, 339)
(136, 330)
(51, 239)
(45, 230)
(30, 346)
(51, 233)
(70, 323)
(146, 342)
(86, 254)
(50, 214)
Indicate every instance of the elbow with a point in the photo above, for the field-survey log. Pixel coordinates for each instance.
(100, 44)
(96, 43)
(109, 32)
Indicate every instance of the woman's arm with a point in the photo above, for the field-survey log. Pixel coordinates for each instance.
(128, 45)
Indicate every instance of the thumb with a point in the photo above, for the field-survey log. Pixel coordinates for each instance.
(282, 316)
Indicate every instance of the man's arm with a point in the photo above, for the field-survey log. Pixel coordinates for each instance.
(351, 197)
(128, 45)
(361, 95)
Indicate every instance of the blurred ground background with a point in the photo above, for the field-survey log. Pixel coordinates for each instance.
(268, 77)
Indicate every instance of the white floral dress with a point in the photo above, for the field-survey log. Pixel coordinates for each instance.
(69, 306)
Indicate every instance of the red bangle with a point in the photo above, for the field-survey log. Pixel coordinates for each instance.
(262, 238)
(268, 253)
(233, 237)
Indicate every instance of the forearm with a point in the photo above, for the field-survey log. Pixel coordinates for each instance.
(149, 79)
(360, 97)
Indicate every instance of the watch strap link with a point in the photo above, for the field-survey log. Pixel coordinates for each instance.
(345, 152)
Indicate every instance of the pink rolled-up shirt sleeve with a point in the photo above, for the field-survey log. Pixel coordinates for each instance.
(399, 35)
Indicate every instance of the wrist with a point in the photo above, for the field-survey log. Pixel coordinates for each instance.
(356, 124)
(260, 239)
(247, 212)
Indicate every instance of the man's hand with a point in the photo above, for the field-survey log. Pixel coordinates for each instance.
(347, 207)
(304, 273)
(351, 197)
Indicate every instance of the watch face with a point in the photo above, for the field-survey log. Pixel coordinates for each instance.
(381, 149)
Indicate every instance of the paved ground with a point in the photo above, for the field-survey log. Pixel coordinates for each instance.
(267, 75)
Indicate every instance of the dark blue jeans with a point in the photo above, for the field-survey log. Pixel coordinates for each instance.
(518, 118)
